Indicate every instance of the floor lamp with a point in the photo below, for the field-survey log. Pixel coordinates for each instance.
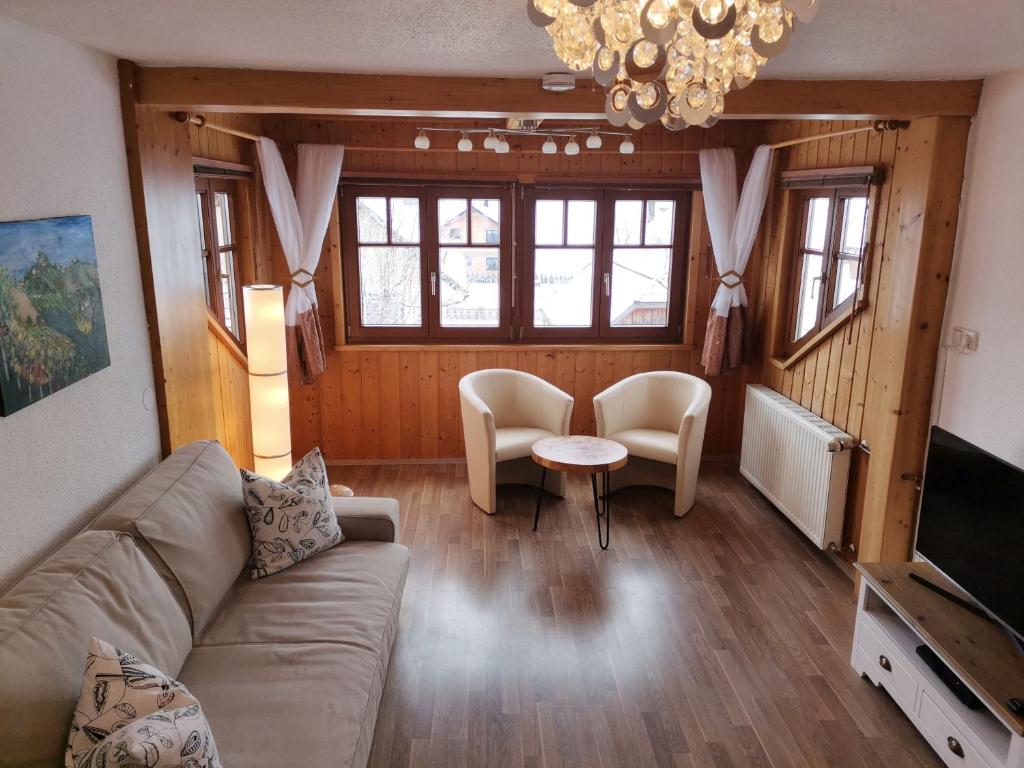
(268, 380)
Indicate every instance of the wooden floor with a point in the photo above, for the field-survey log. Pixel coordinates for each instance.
(722, 639)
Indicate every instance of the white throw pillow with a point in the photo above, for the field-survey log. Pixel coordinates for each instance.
(131, 714)
(290, 520)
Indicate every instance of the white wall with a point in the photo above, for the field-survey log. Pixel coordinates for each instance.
(981, 396)
(62, 152)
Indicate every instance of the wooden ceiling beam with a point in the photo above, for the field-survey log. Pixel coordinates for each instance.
(283, 92)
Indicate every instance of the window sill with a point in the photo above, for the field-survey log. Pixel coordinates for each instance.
(784, 363)
(226, 338)
(517, 347)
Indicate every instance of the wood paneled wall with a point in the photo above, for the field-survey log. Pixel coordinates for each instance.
(873, 375)
(230, 384)
(402, 403)
(163, 203)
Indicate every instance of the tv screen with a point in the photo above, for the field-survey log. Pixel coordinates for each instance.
(971, 524)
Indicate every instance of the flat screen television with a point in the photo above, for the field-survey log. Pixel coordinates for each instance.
(971, 524)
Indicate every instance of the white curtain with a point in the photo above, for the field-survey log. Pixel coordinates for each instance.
(302, 218)
(733, 228)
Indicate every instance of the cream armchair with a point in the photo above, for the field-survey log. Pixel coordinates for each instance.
(504, 413)
(660, 417)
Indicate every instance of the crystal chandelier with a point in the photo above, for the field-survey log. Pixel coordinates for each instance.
(669, 60)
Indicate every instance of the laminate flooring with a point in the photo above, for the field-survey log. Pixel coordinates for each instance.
(719, 639)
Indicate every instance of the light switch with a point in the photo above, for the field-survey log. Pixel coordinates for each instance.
(956, 341)
(963, 340)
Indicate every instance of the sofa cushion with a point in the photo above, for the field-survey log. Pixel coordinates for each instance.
(653, 444)
(290, 520)
(99, 583)
(349, 594)
(131, 714)
(516, 442)
(189, 512)
(290, 704)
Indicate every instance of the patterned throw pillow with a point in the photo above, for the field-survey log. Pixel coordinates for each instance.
(130, 714)
(291, 520)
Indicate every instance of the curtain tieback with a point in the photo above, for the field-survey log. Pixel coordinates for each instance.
(302, 282)
(731, 279)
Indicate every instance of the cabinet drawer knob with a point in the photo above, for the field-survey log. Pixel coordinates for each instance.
(883, 662)
(955, 747)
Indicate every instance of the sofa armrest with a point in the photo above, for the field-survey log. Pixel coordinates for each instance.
(363, 518)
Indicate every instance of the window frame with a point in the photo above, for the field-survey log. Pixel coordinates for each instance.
(428, 193)
(825, 315)
(673, 329)
(502, 193)
(601, 331)
(207, 187)
(516, 261)
(530, 196)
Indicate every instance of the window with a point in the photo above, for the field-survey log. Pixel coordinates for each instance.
(604, 264)
(426, 262)
(829, 264)
(217, 209)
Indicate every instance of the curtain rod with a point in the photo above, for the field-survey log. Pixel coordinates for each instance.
(878, 126)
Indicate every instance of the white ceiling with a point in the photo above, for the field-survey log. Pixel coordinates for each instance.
(871, 39)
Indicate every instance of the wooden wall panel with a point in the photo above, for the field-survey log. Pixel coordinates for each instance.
(230, 384)
(402, 403)
(163, 203)
(860, 377)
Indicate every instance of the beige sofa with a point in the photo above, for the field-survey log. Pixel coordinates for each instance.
(289, 669)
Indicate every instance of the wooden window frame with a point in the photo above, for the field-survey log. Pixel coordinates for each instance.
(207, 187)
(428, 194)
(827, 317)
(530, 195)
(601, 331)
(516, 262)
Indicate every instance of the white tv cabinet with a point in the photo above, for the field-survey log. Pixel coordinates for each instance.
(895, 615)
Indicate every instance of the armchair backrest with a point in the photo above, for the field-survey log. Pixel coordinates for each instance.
(660, 399)
(510, 395)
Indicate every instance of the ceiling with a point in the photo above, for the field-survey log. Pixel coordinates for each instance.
(870, 39)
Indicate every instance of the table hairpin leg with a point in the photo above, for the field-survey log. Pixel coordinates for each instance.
(604, 540)
(540, 496)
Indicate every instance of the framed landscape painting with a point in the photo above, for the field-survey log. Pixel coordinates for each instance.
(52, 329)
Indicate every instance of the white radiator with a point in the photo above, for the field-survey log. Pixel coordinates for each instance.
(799, 461)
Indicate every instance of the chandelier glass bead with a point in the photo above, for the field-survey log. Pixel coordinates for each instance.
(669, 60)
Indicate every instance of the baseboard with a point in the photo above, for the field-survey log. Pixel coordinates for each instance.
(389, 462)
(444, 462)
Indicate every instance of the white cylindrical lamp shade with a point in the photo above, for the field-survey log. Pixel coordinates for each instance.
(268, 380)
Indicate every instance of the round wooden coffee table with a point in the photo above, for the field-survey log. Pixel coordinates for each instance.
(593, 455)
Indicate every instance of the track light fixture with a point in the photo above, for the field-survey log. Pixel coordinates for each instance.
(496, 139)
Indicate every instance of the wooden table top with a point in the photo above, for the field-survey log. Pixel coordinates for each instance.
(979, 652)
(580, 453)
